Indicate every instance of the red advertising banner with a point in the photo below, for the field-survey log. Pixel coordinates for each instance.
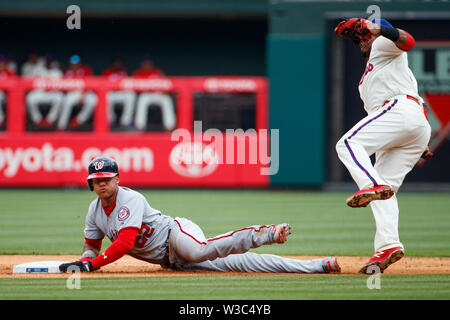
(171, 158)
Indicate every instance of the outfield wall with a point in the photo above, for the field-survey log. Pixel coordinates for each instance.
(180, 154)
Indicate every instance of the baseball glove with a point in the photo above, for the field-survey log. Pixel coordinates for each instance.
(354, 29)
(81, 266)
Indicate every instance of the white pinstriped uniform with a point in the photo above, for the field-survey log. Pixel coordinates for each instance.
(396, 130)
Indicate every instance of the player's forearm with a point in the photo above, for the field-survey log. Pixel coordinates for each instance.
(117, 249)
(91, 248)
(114, 252)
(404, 40)
(401, 38)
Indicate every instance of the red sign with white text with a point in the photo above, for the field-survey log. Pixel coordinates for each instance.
(143, 161)
(146, 159)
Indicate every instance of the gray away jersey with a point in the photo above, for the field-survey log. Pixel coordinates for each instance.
(132, 210)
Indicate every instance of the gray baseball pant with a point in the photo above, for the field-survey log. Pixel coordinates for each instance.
(190, 250)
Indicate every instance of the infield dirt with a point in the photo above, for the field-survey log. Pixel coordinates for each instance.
(130, 267)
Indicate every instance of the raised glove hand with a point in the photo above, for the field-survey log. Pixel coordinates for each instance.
(81, 266)
(355, 29)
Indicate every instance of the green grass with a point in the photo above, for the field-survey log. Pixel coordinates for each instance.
(422, 287)
(52, 221)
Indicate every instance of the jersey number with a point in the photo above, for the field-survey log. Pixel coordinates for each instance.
(144, 233)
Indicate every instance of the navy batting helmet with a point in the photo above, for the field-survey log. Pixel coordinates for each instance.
(102, 167)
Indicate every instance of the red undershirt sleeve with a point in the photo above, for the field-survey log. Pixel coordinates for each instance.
(410, 41)
(95, 243)
(117, 249)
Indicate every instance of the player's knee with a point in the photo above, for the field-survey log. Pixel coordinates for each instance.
(192, 257)
(196, 256)
(188, 250)
(395, 185)
(340, 146)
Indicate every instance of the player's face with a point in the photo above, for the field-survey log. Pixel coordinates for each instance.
(366, 46)
(106, 188)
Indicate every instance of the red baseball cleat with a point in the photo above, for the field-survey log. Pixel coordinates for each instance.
(363, 197)
(383, 259)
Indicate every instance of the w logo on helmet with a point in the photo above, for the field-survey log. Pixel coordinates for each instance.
(98, 165)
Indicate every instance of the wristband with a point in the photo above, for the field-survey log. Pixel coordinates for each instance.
(88, 253)
(409, 42)
(390, 33)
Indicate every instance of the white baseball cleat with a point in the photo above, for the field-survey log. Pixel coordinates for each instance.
(281, 232)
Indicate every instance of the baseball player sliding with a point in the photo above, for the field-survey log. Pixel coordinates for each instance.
(135, 228)
(396, 130)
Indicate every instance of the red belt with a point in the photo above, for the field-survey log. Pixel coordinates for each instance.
(415, 100)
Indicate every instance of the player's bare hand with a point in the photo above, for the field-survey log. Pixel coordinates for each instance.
(77, 266)
(427, 154)
(373, 27)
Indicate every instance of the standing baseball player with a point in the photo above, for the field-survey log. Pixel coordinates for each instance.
(135, 228)
(396, 130)
(126, 98)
